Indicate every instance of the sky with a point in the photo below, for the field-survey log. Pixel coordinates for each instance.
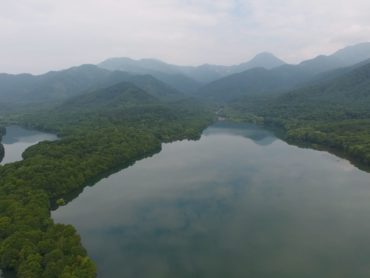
(41, 35)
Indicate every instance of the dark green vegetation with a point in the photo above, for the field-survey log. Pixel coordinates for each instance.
(333, 113)
(108, 119)
(56, 87)
(2, 133)
(100, 131)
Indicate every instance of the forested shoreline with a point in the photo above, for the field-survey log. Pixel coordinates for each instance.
(348, 139)
(92, 143)
(331, 114)
(108, 119)
(345, 137)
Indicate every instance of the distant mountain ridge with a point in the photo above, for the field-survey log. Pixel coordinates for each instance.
(199, 74)
(261, 76)
(58, 86)
(352, 88)
(264, 60)
(257, 82)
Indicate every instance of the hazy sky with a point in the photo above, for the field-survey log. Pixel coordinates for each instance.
(40, 35)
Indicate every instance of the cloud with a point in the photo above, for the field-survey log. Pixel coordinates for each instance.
(40, 35)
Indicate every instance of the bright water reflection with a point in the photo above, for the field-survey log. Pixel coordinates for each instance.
(237, 203)
(18, 139)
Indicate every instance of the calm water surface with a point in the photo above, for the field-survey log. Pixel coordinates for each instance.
(18, 139)
(237, 203)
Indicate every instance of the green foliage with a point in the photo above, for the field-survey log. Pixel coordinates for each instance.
(2, 133)
(333, 113)
(58, 86)
(95, 140)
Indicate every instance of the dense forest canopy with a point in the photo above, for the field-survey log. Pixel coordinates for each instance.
(105, 134)
(2, 133)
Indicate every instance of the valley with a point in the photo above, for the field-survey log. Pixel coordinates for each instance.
(154, 121)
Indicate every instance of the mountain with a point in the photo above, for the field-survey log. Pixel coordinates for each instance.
(333, 114)
(264, 60)
(192, 76)
(257, 82)
(350, 91)
(180, 82)
(138, 66)
(345, 95)
(342, 58)
(52, 86)
(118, 96)
(145, 82)
(253, 82)
(58, 86)
(170, 74)
(353, 54)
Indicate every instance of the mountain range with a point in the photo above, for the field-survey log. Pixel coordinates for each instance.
(348, 93)
(259, 81)
(190, 74)
(262, 76)
(58, 86)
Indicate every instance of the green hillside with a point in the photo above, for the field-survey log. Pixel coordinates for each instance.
(100, 133)
(119, 96)
(56, 87)
(254, 82)
(261, 82)
(333, 114)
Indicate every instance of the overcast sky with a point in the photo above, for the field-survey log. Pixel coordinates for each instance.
(41, 35)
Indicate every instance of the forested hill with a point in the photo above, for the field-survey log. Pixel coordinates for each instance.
(254, 82)
(58, 86)
(347, 96)
(95, 140)
(333, 114)
(119, 96)
(262, 82)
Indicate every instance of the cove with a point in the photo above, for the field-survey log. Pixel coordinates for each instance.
(239, 202)
(18, 139)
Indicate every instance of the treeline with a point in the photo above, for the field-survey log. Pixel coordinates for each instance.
(2, 133)
(332, 114)
(91, 145)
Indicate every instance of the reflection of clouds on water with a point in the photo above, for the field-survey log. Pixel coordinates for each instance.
(225, 206)
(341, 163)
(257, 134)
(17, 140)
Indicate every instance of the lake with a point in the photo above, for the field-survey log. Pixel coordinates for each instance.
(239, 202)
(18, 139)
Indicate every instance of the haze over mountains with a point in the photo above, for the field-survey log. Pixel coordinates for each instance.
(62, 85)
(263, 75)
(119, 96)
(350, 89)
(260, 81)
(187, 79)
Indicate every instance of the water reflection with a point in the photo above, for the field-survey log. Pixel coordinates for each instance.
(18, 139)
(225, 206)
(256, 133)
